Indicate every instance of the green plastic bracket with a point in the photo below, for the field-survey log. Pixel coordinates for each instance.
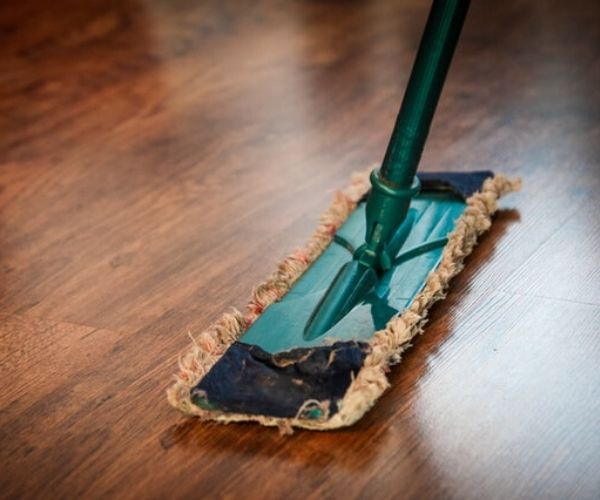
(419, 242)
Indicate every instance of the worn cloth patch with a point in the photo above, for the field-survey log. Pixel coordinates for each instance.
(248, 379)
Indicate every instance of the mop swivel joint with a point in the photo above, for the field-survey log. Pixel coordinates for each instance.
(386, 210)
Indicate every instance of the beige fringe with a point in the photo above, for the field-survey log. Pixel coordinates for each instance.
(386, 345)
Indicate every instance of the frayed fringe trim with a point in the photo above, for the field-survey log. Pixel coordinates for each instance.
(386, 345)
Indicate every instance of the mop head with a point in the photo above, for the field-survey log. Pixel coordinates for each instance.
(333, 384)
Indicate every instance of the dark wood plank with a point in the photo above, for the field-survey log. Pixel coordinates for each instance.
(157, 158)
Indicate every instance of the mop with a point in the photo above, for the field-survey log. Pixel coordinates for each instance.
(317, 338)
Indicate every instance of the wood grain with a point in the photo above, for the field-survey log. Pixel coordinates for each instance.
(158, 157)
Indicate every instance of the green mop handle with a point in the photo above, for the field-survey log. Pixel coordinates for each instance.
(395, 182)
(423, 91)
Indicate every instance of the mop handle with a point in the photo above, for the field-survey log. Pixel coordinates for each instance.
(423, 91)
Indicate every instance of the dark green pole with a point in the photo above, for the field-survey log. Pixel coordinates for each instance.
(394, 184)
(423, 91)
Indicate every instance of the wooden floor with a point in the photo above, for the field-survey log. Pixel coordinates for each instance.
(158, 157)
